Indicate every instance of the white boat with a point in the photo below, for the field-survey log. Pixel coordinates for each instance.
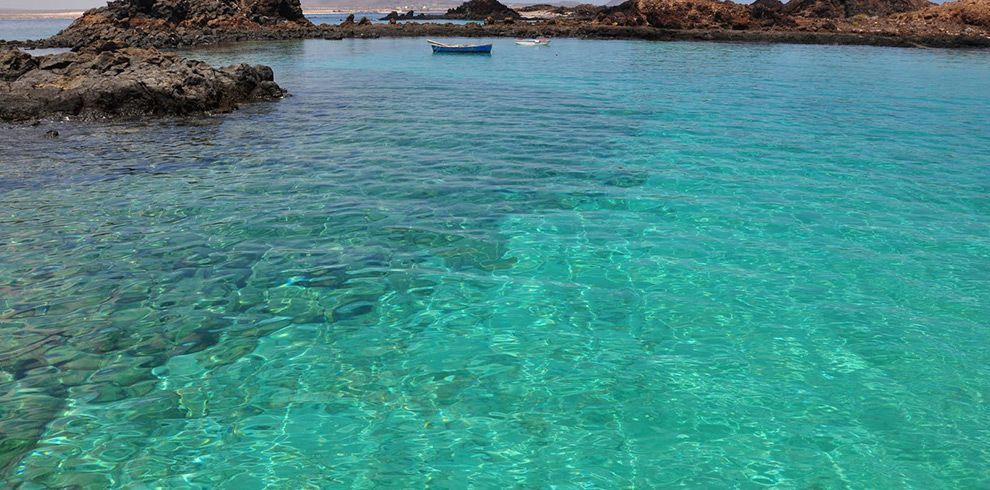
(540, 41)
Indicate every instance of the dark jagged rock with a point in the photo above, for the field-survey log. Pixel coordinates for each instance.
(769, 13)
(275, 11)
(768, 5)
(627, 13)
(128, 21)
(481, 9)
(203, 12)
(839, 9)
(410, 15)
(14, 63)
(129, 82)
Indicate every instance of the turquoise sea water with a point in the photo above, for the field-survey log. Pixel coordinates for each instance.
(593, 265)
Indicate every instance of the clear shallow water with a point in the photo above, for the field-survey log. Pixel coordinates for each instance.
(599, 264)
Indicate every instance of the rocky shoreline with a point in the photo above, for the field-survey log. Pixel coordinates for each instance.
(124, 83)
(904, 23)
(115, 70)
(181, 39)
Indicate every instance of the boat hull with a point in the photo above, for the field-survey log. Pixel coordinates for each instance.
(479, 49)
(540, 41)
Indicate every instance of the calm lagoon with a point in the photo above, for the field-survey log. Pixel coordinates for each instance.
(598, 264)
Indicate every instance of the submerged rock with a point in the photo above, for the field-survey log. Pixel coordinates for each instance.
(124, 83)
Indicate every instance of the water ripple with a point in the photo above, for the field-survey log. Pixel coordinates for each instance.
(602, 264)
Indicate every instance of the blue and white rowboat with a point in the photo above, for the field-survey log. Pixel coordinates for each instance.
(459, 48)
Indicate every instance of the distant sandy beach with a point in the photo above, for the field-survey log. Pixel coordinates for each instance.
(6, 14)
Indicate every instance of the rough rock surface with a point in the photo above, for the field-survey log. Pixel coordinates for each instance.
(14, 63)
(974, 13)
(480, 10)
(839, 9)
(627, 13)
(695, 14)
(127, 82)
(963, 23)
(770, 13)
(129, 21)
(962, 20)
(774, 5)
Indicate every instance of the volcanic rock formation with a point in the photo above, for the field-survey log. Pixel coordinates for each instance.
(175, 23)
(127, 82)
(481, 9)
(838, 9)
(695, 14)
(965, 12)
(130, 21)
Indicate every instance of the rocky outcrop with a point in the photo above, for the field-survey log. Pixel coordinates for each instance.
(839, 9)
(974, 13)
(274, 11)
(480, 10)
(771, 5)
(695, 14)
(625, 14)
(664, 14)
(964, 19)
(410, 15)
(128, 21)
(104, 82)
(15, 63)
(770, 13)
(962, 23)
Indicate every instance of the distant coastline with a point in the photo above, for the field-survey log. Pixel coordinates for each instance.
(16, 14)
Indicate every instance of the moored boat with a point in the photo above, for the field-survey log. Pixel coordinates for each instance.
(540, 41)
(460, 48)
